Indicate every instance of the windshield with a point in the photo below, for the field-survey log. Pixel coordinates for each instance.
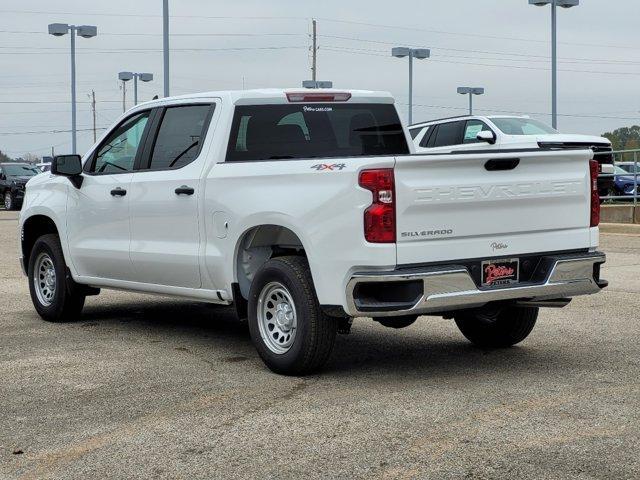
(281, 132)
(20, 170)
(619, 170)
(522, 126)
(627, 167)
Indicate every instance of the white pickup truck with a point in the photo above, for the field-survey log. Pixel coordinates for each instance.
(306, 209)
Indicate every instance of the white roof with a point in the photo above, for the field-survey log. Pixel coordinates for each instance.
(464, 117)
(271, 96)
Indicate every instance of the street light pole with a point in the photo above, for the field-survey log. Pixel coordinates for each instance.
(135, 89)
(85, 31)
(410, 87)
(554, 68)
(554, 59)
(165, 44)
(420, 54)
(471, 91)
(72, 30)
(126, 76)
(124, 96)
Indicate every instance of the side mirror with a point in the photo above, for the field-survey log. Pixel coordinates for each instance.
(68, 166)
(486, 136)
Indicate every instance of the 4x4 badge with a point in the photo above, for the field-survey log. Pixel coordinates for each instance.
(324, 166)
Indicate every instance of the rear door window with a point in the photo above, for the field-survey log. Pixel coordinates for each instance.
(415, 132)
(449, 133)
(282, 132)
(430, 137)
(180, 136)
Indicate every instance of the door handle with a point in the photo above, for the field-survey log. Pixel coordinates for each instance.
(184, 190)
(118, 192)
(501, 164)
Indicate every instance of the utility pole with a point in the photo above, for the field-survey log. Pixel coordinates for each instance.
(165, 44)
(93, 110)
(314, 51)
(53, 152)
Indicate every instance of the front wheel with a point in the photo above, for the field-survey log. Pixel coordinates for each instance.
(55, 296)
(292, 334)
(9, 202)
(502, 327)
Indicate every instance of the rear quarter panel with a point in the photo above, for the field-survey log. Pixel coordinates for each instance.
(323, 206)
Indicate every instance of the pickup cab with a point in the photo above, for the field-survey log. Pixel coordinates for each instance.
(308, 208)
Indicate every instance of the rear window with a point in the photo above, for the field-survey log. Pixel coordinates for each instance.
(282, 132)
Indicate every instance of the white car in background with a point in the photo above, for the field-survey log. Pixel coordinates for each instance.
(501, 132)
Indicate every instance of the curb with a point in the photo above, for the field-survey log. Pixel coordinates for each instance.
(624, 228)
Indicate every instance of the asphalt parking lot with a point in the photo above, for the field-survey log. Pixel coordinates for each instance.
(148, 387)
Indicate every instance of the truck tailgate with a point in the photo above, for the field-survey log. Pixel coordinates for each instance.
(477, 205)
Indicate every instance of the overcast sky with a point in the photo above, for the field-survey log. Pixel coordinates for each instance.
(502, 45)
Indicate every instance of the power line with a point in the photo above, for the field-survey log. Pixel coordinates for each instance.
(467, 34)
(141, 34)
(147, 15)
(40, 132)
(334, 20)
(466, 50)
(20, 102)
(371, 53)
(517, 112)
(88, 51)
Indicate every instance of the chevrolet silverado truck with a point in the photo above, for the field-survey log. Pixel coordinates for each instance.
(306, 209)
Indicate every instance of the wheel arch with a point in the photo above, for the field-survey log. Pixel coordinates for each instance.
(258, 244)
(33, 228)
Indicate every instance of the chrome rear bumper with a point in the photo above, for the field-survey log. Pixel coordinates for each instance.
(451, 287)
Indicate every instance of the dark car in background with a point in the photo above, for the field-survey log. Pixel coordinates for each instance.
(624, 184)
(13, 178)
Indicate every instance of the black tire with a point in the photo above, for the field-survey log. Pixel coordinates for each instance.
(68, 298)
(498, 329)
(9, 201)
(315, 333)
(397, 322)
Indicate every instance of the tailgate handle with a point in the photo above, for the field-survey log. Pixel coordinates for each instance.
(501, 164)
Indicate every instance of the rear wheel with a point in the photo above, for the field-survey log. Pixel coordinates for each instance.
(55, 296)
(495, 328)
(292, 334)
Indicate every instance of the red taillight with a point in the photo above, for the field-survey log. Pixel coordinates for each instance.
(318, 96)
(380, 217)
(595, 198)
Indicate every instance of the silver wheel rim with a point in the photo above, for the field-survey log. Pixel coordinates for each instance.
(7, 201)
(44, 279)
(277, 318)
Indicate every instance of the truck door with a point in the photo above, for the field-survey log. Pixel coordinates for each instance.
(166, 198)
(98, 212)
